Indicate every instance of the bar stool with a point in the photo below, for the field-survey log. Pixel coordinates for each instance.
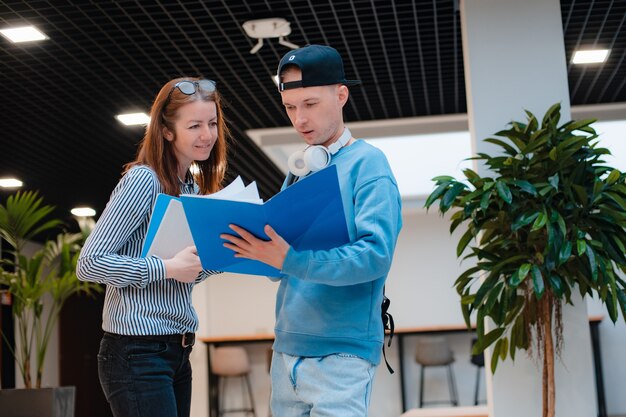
(435, 351)
(228, 363)
(479, 361)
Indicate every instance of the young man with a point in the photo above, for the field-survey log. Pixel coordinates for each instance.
(329, 331)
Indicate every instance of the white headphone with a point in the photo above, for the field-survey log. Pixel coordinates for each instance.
(316, 157)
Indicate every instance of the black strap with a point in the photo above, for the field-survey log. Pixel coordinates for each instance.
(387, 325)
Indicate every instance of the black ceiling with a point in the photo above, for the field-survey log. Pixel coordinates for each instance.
(60, 96)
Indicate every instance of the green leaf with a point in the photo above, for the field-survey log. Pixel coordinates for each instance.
(621, 298)
(495, 356)
(526, 186)
(484, 201)
(577, 125)
(613, 177)
(504, 192)
(565, 252)
(485, 341)
(556, 284)
(507, 148)
(554, 181)
(524, 220)
(617, 199)
(592, 263)
(464, 241)
(552, 154)
(552, 115)
(581, 193)
(519, 275)
(581, 246)
(436, 194)
(540, 221)
(538, 285)
(504, 347)
(450, 195)
(443, 178)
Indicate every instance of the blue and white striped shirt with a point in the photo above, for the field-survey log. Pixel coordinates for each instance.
(140, 299)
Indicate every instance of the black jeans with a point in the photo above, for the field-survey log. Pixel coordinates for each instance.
(142, 377)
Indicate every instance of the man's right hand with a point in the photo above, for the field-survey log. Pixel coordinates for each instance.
(184, 266)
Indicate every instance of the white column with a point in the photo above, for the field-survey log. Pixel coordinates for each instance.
(514, 60)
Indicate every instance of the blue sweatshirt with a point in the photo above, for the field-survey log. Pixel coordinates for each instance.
(330, 301)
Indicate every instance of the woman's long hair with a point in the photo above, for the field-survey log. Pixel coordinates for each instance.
(158, 153)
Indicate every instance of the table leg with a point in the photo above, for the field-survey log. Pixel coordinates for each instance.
(597, 362)
(213, 387)
(401, 370)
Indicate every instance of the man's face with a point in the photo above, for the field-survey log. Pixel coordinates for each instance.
(315, 112)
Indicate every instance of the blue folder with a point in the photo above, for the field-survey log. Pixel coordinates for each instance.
(309, 215)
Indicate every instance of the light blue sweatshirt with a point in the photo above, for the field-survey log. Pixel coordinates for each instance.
(330, 301)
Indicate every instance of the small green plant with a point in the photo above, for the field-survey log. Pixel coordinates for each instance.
(48, 275)
(550, 221)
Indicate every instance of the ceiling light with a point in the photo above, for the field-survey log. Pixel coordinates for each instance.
(83, 212)
(590, 56)
(268, 28)
(132, 119)
(10, 183)
(275, 79)
(23, 34)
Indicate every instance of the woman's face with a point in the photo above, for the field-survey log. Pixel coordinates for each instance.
(195, 133)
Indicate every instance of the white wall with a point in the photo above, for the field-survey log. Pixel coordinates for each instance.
(420, 288)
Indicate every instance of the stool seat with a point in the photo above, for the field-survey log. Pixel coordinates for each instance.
(434, 351)
(230, 361)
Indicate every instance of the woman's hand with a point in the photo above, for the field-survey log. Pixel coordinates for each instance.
(184, 266)
(271, 252)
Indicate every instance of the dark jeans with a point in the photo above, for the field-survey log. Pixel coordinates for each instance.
(142, 378)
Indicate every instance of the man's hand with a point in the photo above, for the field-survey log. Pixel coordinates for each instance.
(271, 252)
(184, 266)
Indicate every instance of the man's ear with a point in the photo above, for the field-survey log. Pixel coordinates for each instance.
(168, 134)
(342, 94)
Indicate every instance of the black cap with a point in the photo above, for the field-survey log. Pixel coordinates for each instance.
(320, 65)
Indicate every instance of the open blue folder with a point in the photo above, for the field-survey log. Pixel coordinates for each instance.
(309, 215)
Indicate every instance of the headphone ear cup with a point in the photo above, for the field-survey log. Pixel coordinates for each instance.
(297, 164)
(316, 158)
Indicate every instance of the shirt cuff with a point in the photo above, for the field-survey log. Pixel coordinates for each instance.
(296, 264)
(156, 269)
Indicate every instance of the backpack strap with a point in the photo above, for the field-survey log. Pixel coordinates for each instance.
(387, 325)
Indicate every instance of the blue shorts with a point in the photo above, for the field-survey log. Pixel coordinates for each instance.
(328, 386)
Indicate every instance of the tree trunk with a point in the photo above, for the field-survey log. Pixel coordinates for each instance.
(549, 396)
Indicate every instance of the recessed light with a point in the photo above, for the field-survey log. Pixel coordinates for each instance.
(590, 56)
(23, 34)
(83, 212)
(10, 183)
(132, 119)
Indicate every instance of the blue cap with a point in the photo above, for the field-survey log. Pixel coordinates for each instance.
(320, 65)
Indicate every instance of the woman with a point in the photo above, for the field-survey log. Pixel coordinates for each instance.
(148, 317)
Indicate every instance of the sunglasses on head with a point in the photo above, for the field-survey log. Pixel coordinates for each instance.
(190, 87)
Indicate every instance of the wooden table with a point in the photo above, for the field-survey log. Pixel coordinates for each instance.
(400, 334)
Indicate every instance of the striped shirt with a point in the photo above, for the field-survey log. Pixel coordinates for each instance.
(140, 299)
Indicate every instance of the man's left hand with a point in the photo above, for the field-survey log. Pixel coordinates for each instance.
(271, 252)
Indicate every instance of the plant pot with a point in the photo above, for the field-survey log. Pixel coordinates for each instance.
(39, 402)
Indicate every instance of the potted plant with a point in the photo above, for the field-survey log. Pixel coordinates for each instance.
(549, 221)
(38, 284)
